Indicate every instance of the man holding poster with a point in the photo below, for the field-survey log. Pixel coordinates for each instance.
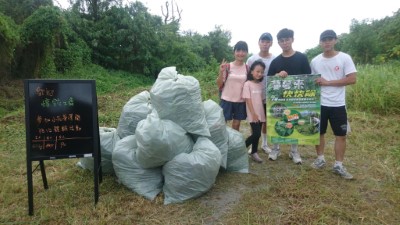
(289, 62)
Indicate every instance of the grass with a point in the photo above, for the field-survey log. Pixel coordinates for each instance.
(376, 89)
(278, 192)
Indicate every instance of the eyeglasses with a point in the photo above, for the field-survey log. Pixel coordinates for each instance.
(283, 40)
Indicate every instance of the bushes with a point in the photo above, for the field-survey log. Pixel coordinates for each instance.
(9, 38)
(74, 56)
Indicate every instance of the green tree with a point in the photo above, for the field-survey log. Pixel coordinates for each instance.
(147, 36)
(199, 44)
(133, 40)
(312, 52)
(73, 52)
(219, 41)
(177, 50)
(362, 43)
(19, 10)
(389, 36)
(126, 38)
(9, 39)
(39, 33)
(92, 9)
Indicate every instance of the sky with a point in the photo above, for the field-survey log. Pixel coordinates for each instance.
(247, 20)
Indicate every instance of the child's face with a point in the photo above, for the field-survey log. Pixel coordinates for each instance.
(258, 72)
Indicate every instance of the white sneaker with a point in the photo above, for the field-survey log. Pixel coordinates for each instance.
(266, 149)
(273, 155)
(342, 172)
(295, 156)
(318, 163)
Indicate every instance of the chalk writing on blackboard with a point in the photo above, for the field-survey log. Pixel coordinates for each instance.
(49, 99)
(47, 102)
(44, 92)
(53, 132)
(54, 142)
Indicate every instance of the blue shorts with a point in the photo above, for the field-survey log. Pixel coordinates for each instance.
(234, 110)
(337, 117)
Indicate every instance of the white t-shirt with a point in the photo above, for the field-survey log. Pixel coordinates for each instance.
(267, 61)
(334, 68)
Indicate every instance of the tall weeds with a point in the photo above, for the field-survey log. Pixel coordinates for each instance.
(377, 89)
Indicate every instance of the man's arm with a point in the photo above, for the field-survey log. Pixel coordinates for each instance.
(349, 79)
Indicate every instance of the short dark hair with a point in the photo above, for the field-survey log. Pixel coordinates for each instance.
(285, 33)
(241, 45)
(258, 62)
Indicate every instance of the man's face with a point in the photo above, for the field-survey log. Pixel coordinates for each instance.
(285, 43)
(327, 43)
(265, 44)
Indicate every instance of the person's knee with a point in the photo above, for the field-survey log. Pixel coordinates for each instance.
(341, 138)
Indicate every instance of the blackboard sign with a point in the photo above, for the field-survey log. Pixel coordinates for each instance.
(61, 118)
(61, 122)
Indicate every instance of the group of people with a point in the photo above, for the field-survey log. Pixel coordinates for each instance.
(243, 92)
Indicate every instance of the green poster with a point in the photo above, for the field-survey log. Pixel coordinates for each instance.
(293, 109)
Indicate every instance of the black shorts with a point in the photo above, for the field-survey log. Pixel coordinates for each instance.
(234, 110)
(337, 117)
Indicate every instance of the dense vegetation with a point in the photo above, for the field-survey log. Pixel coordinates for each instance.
(46, 39)
(38, 39)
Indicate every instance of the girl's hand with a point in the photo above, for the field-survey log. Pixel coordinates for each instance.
(256, 119)
(222, 66)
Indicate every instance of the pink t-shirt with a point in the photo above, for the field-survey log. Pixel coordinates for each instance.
(232, 91)
(256, 92)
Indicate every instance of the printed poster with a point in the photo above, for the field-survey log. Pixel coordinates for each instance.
(293, 109)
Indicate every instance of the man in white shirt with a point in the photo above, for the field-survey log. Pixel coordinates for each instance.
(337, 70)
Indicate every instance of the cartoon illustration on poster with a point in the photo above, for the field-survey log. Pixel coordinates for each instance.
(293, 109)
